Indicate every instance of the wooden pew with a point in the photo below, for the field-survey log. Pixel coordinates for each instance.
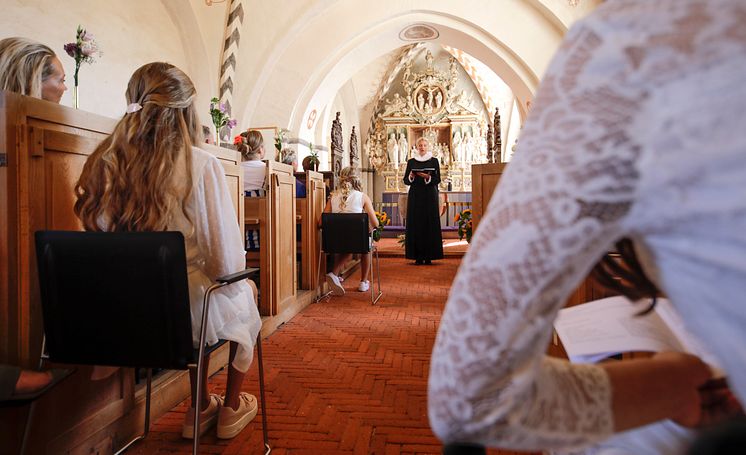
(275, 216)
(43, 147)
(484, 178)
(313, 206)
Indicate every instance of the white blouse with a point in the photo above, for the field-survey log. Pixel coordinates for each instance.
(637, 130)
(254, 175)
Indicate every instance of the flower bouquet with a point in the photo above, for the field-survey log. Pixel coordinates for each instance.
(82, 50)
(279, 140)
(220, 118)
(383, 220)
(464, 224)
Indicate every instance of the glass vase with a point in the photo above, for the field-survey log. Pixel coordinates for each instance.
(76, 97)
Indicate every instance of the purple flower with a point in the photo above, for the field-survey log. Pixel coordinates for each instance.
(231, 124)
(222, 108)
(87, 36)
(70, 48)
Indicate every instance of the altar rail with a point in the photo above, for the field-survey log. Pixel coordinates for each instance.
(454, 202)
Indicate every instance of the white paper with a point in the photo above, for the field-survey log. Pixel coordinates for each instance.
(602, 328)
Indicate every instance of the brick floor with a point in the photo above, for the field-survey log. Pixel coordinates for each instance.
(343, 377)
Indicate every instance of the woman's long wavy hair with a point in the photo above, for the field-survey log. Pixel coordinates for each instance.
(622, 272)
(349, 180)
(129, 183)
(24, 65)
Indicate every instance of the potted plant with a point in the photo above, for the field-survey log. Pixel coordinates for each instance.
(313, 158)
(220, 118)
(464, 225)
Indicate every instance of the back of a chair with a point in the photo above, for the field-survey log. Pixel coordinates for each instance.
(345, 233)
(115, 298)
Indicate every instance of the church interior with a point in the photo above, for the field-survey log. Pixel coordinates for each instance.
(337, 83)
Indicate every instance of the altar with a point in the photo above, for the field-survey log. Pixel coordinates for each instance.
(451, 203)
(436, 104)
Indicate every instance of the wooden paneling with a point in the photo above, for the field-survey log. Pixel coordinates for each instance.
(281, 201)
(43, 147)
(311, 244)
(483, 183)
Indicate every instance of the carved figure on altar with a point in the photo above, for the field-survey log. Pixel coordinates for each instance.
(457, 148)
(453, 70)
(354, 156)
(403, 147)
(469, 145)
(392, 146)
(394, 106)
(420, 101)
(438, 100)
(407, 72)
(429, 62)
(461, 103)
(337, 145)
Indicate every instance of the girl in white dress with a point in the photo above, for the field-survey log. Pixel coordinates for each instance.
(149, 176)
(349, 198)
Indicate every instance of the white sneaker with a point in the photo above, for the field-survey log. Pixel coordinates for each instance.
(334, 284)
(364, 286)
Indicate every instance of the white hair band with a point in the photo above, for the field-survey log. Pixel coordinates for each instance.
(133, 107)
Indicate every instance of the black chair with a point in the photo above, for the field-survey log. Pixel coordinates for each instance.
(122, 299)
(343, 233)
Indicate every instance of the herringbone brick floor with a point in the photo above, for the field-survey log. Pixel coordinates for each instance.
(343, 377)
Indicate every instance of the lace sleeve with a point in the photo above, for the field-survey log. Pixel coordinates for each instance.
(557, 209)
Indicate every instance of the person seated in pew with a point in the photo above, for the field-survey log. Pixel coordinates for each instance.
(31, 69)
(289, 157)
(349, 198)
(251, 146)
(149, 175)
(606, 155)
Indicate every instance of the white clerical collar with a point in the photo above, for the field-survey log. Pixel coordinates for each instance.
(426, 157)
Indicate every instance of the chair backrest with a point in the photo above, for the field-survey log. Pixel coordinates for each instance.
(115, 298)
(345, 233)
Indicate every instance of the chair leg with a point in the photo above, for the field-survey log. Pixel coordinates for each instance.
(373, 301)
(319, 294)
(265, 432)
(146, 430)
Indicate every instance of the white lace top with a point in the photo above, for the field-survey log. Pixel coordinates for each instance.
(638, 131)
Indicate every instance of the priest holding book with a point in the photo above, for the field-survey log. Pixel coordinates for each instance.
(423, 239)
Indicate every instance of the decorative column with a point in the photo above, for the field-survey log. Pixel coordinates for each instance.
(230, 49)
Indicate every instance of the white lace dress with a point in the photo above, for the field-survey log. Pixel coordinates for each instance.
(214, 248)
(637, 131)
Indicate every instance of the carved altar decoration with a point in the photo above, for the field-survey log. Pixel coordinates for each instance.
(430, 104)
(337, 147)
(354, 156)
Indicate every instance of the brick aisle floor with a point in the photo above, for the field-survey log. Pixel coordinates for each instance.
(343, 377)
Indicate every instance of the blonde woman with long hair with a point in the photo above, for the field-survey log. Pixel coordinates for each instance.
(349, 198)
(31, 69)
(149, 176)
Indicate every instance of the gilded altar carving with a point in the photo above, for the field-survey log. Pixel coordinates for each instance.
(429, 105)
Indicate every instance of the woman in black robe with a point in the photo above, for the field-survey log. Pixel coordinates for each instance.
(423, 240)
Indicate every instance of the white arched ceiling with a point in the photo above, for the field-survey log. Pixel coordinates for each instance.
(514, 38)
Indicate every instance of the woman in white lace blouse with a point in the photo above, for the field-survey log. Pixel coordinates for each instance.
(636, 132)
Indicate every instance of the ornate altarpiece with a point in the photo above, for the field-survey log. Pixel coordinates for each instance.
(429, 107)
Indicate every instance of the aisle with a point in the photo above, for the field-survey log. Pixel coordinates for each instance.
(343, 377)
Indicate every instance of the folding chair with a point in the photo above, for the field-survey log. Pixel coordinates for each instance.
(349, 233)
(122, 299)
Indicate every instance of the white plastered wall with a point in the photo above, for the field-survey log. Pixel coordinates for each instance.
(313, 56)
(131, 33)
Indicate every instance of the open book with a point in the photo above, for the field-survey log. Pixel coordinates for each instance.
(602, 328)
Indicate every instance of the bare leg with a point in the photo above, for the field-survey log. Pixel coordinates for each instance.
(340, 261)
(31, 381)
(193, 381)
(364, 266)
(235, 380)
